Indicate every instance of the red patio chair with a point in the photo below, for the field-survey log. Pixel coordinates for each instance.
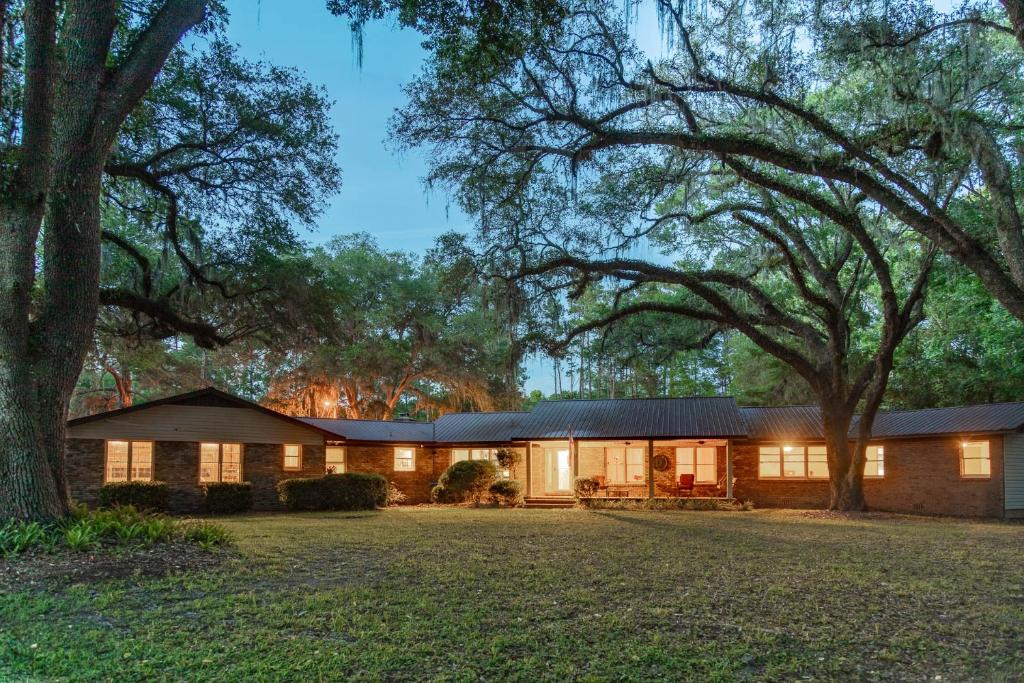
(685, 486)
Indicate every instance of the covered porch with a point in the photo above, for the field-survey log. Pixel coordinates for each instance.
(631, 468)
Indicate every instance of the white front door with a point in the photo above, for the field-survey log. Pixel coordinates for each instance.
(558, 470)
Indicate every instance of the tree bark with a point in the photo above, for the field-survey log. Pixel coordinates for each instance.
(845, 464)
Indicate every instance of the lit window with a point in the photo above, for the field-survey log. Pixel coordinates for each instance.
(874, 461)
(129, 461)
(794, 459)
(459, 454)
(405, 459)
(335, 460)
(142, 461)
(292, 456)
(701, 462)
(817, 462)
(220, 462)
(635, 465)
(231, 462)
(769, 462)
(624, 465)
(975, 461)
(117, 461)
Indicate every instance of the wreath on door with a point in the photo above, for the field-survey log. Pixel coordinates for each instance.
(661, 463)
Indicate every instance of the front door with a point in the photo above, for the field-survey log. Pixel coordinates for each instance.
(558, 470)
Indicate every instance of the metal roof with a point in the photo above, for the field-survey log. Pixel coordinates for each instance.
(636, 418)
(496, 427)
(389, 431)
(787, 422)
(993, 417)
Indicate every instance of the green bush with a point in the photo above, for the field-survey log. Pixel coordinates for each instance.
(584, 487)
(508, 459)
(141, 495)
(467, 480)
(348, 491)
(508, 492)
(228, 497)
(122, 525)
(439, 494)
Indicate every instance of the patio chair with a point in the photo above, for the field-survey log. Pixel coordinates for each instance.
(685, 485)
(602, 484)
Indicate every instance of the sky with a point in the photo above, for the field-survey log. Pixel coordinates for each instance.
(382, 191)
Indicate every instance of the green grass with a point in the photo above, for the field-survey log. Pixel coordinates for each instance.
(438, 594)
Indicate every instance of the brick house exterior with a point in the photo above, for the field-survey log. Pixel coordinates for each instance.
(637, 448)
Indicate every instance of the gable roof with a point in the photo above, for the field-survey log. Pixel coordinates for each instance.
(634, 418)
(389, 431)
(985, 418)
(804, 422)
(207, 397)
(786, 422)
(498, 427)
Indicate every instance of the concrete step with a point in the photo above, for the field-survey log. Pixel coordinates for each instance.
(549, 502)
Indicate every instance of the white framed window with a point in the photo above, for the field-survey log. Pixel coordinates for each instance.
(624, 465)
(129, 461)
(335, 460)
(405, 459)
(817, 462)
(792, 461)
(459, 454)
(975, 460)
(701, 462)
(292, 456)
(874, 461)
(769, 462)
(220, 462)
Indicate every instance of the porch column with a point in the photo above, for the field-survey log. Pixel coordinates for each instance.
(650, 468)
(529, 468)
(575, 461)
(728, 469)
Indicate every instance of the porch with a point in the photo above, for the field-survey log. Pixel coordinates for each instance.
(630, 469)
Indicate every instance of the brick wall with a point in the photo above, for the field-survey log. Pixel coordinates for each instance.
(380, 459)
(177, 464)
(922, 476)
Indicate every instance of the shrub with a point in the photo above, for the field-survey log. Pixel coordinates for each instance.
(348, 491)
(228, 497)
(467, 480)
(439, 494)
(507, 459)
(141, 495)
(395, 495)
(507, 491)
(584, 487)
(122, 525)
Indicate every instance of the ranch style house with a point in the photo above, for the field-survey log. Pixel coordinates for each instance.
(963, 461)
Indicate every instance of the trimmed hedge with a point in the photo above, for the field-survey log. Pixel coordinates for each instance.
(141, 495)
(348, 491)
(466, 480)
(225, 497)
(508, 492)
(584, 487)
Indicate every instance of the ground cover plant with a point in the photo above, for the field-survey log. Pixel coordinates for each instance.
(433, 593)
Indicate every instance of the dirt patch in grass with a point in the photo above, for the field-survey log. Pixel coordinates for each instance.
(58, 570)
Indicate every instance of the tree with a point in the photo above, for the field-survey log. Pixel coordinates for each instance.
(399, 328)
(572, 159)
(75, 115)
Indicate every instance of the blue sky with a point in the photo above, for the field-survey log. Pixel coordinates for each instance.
(382, 192)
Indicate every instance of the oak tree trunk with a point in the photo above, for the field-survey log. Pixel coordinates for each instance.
(845, 464)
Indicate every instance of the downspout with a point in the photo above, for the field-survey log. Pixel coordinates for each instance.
(728, 469)
(650, 469)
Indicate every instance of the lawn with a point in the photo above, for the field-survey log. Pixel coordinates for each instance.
(440, 594)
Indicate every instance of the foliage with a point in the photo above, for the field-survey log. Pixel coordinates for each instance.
(466, 480)
(225, 497)
(348, 491)
(389, 331)
(395, 495)
(584, 487)
(119, 525)
(507, 492)
(142, 495)
(508, 459)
